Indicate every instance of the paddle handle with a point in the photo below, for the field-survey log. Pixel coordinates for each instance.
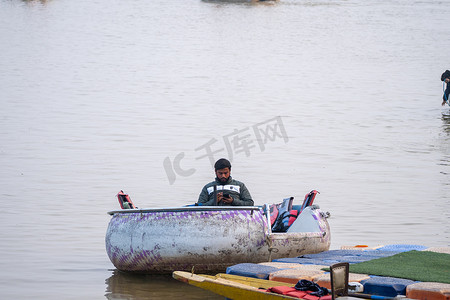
(367, 296)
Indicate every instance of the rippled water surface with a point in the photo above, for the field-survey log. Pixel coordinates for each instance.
(97, 96)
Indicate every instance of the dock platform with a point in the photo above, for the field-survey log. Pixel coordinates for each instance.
(419, 272)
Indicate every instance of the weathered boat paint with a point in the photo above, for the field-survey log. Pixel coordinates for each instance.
(207, 238)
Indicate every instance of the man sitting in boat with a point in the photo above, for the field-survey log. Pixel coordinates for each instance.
(224, 190)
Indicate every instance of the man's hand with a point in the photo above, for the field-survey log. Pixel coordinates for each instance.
(447, 80)
(225, 200)
(228, 200)
(219, 197)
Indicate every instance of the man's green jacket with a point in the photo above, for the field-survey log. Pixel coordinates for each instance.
(237, 190)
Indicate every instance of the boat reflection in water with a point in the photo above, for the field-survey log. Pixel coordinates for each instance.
(128, 286)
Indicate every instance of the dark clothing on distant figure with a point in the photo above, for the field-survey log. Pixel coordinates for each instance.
(444, 76)
(446, 93)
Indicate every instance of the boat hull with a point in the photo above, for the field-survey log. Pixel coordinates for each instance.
(207, 239)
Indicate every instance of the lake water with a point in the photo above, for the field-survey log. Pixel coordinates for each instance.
(98, 96)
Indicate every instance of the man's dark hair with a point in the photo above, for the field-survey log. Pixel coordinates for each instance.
(445, 75)
(222, 164)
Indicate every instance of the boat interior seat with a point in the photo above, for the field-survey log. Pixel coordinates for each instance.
(296, 207)
(339, 274)
(293, 219)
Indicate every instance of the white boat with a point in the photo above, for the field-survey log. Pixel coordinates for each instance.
(207, 238)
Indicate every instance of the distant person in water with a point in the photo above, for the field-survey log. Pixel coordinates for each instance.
(446, 78)
(225, 189)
